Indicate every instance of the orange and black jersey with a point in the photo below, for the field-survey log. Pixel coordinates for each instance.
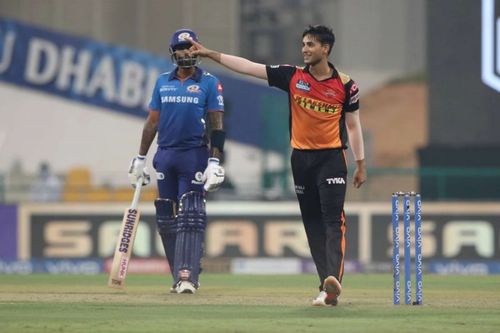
(317, 108)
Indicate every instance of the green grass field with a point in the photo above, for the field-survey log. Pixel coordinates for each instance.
(244, 303)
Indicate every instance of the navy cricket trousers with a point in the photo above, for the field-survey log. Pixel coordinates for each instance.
(179, 171)
(320, 178)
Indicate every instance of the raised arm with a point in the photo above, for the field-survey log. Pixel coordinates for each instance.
(355, 133)
(234, 63)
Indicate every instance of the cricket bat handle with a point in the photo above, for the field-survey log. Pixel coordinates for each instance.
(137, 193)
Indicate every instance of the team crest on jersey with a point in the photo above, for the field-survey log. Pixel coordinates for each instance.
(303, 85)
(194, 88)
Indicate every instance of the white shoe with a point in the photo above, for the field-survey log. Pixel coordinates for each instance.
(185, 287)
(320, 300)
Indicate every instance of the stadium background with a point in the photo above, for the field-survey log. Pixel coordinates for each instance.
(74, 81)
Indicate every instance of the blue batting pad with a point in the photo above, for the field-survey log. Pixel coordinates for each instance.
(191, 224)
(167, 228)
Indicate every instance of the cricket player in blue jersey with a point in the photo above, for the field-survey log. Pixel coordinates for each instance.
(186, 109)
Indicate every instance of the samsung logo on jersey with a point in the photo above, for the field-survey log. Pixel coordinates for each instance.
(179, 99)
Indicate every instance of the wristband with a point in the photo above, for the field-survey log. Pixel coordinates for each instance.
(217, 139)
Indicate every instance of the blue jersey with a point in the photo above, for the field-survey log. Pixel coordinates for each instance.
(183, 107)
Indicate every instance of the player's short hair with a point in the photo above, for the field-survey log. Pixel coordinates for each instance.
(322, 33)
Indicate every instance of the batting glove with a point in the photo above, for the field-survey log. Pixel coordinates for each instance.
(213, 175)
(138, 170)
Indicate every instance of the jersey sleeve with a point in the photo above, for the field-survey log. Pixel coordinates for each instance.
(155, 103)
(352, 96)
(215, 101)
(279, 76)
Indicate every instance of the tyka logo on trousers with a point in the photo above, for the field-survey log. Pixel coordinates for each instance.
(335, 181)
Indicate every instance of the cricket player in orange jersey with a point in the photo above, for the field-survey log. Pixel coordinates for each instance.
(324, 117)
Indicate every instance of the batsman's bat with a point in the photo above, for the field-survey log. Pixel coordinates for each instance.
(125, 242)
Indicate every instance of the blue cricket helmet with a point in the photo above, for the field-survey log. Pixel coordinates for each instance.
(180, 38)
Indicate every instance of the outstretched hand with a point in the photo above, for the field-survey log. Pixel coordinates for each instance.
(197, 49)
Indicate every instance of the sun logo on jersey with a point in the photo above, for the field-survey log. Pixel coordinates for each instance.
(194, 88)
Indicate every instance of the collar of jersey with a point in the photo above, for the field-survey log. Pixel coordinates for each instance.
(196, 75)
(334, 73)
